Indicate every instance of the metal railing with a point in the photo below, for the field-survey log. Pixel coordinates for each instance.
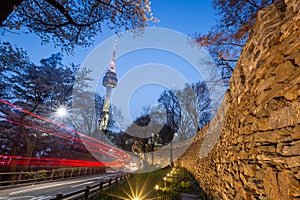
(89, 190)
(12, 178)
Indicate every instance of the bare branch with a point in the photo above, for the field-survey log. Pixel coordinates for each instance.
(62, 10)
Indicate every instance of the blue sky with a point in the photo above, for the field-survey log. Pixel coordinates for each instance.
(187, 17)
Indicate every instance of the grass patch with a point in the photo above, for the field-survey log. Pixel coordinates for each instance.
(139, 185)
(163, 184)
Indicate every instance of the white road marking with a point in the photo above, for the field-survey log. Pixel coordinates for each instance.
(74, 186)
(26, 197)
(48, 186)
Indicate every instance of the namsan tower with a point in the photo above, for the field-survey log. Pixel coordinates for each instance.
(110, 81)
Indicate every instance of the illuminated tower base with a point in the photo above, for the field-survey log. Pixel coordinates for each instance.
(105, 111)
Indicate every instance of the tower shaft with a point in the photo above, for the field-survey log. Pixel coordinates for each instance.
(107, 99)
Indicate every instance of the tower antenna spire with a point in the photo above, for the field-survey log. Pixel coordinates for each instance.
(114, 52)
(113, 58)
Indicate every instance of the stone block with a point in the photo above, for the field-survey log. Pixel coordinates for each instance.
(270, 149)
(284, 71)
(289, 186)
(283, 178)
(291, 149)
(264, 85)
(271, 185)
(243, 155)
(292, 93)
(249, 170)
(243, 179)
(284, 117)
(268, 137)
(229, 179)
(288, 162)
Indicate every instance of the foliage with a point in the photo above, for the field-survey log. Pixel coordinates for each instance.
(11, 61)
(226, 39)
(203, 101)
(73, 23)
(30, 85)
(180, 114)
(178, 181)
(169, 101)
(136, 183)
(40, 88)
(41, 174)
(195, 109)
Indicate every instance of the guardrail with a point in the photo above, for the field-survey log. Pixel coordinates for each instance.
(85, 193)
(11, 178)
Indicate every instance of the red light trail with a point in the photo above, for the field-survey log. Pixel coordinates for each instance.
(91, 144)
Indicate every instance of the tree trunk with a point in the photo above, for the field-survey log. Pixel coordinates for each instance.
(13, 167)
(6, 8)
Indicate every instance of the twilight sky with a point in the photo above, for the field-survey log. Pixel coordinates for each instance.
(186, 17)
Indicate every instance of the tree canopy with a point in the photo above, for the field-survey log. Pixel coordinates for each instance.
(73, 23)
(37, 88)
(227, 37)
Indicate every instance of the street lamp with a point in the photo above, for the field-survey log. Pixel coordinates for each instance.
(165, 180)
(61, 111)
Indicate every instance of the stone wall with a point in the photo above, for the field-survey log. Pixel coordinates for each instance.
(258, 153)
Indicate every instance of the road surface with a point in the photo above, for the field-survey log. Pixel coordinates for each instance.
(44, 191)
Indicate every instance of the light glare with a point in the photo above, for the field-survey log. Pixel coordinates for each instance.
(62, 111)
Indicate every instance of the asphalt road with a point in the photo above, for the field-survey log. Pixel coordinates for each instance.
(44, 191)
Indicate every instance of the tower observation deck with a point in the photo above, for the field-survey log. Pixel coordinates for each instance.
(110, 81)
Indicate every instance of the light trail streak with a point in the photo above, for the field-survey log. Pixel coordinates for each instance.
(63, 126)
(20, 160)
(91, 144)
(104, 150)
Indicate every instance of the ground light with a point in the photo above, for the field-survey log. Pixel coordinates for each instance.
(135, 191)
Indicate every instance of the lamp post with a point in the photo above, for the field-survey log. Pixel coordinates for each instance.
(165, 181)
(62, 112)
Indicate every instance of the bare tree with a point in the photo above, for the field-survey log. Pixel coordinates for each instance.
(189, 112)
(226, 39)
(171, 104)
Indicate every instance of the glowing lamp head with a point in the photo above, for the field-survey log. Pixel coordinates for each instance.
(62, 111)
(135, 198)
